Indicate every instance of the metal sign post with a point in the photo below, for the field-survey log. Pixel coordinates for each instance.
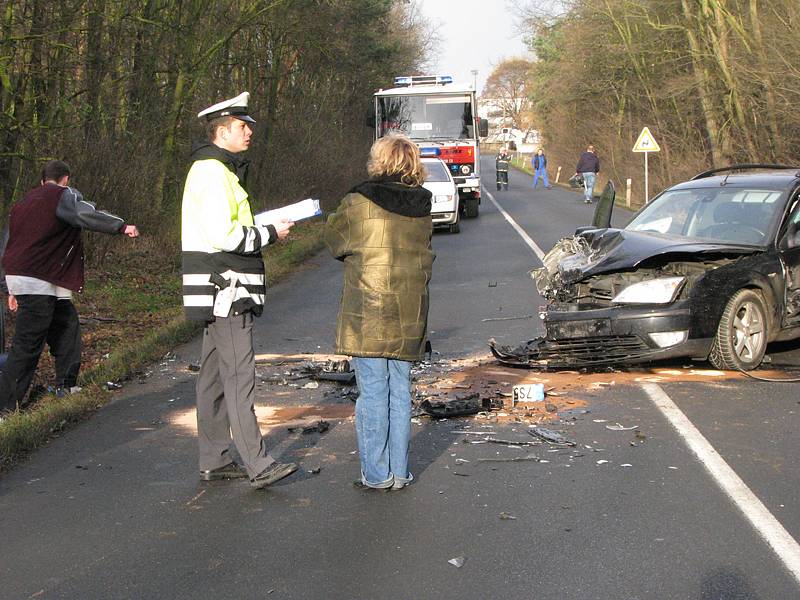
(646, 143)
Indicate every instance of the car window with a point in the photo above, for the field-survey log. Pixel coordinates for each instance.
(715, 214)
(437, 172)
(791, 229)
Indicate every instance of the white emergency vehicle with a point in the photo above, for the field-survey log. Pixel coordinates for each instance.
(441, 118)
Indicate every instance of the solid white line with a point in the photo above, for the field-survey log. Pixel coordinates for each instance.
(767, 526)
(525, 237)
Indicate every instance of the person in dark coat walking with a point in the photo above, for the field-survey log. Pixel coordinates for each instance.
(588, 166)
(501, 163)
(539, 164)
(42, 258)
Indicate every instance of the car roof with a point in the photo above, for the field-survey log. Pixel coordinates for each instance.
(764, 178)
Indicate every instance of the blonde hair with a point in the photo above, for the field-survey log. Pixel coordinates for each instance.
(396, 154)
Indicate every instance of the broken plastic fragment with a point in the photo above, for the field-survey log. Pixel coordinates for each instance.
(548, 435)
(320, 426)
(504, 516)
(618, 427)
(457, 562)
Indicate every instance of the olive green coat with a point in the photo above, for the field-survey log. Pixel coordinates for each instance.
(387, 266)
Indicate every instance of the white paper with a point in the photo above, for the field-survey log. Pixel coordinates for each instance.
(298, 211)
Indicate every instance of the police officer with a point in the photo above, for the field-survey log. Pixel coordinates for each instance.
(501, 167)
(224, 286)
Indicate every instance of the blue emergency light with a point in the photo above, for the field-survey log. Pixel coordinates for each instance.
(423, 80)
(427, 152)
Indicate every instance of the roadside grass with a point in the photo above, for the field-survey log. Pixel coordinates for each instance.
(131, 315)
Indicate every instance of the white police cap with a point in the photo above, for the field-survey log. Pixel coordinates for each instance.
(235, 107)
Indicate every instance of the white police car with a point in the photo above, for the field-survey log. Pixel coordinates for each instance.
(444, 204)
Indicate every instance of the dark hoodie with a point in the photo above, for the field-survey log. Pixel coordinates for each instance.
(396, 197)
(236, 163)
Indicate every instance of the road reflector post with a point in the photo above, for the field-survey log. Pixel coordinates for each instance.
(558, 174)
(628, 192)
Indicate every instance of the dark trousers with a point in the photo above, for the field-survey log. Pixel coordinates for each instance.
(502, 179)
(40, 320)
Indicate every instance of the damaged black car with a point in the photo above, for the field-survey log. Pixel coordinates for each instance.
(708, 270)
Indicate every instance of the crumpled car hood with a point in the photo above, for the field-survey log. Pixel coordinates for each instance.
(607, 250)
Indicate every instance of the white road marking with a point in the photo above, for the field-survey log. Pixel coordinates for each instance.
(767, 526)
(525, 237)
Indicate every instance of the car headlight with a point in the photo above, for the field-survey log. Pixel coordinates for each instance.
(444, 198)
(653, 291)
(465, 169)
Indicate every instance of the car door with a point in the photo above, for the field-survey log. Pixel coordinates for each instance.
(788, 246)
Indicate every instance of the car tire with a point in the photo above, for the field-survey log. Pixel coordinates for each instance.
(741, 339)
(455, 227)
(471, 208)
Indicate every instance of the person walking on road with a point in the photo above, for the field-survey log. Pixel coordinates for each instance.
(501, 163)
(382, 232)
(224, 286)
(539, 164)
(42, 257)
(588, 167)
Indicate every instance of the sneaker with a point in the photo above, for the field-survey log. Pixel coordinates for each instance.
(360, 485)
(399, 484)
(275, 472)
(229, 471)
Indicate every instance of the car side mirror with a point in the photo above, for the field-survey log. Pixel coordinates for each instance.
(605, 206)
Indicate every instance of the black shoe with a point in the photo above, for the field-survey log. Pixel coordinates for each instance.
(229, 471)
(274, 472)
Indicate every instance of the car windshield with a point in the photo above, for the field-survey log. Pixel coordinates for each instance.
(732, 215)
(437, 172)
(439, 117)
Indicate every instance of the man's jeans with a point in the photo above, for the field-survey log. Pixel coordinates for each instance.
(540, 174)
(383, 420)
(588, 185)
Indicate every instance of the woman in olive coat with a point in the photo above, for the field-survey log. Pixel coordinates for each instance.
(382, 232)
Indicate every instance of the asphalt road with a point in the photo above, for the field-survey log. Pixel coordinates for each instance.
(114, 509)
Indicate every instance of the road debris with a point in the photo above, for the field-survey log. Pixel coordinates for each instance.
(618, 427)
(504, 516)
(470, 404)
(319, 426)
(457, 562)
(550, 436)
(527, 458)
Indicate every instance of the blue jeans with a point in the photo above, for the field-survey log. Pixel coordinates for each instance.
(588, 184)
(383, 420)
(540, 174)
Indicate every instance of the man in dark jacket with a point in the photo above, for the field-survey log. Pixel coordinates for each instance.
(42, 254)
(588, 166)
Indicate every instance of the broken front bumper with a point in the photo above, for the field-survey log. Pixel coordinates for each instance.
(605, 336)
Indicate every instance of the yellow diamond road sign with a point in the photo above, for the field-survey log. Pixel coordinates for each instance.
(646, 142)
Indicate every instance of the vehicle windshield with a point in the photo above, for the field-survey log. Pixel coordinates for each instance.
(437, 172)
(732, 215)
(440, 117)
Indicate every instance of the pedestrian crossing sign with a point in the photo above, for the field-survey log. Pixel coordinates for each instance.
(646, 142)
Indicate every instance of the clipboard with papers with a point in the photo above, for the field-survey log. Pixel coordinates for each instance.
(305, 209)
